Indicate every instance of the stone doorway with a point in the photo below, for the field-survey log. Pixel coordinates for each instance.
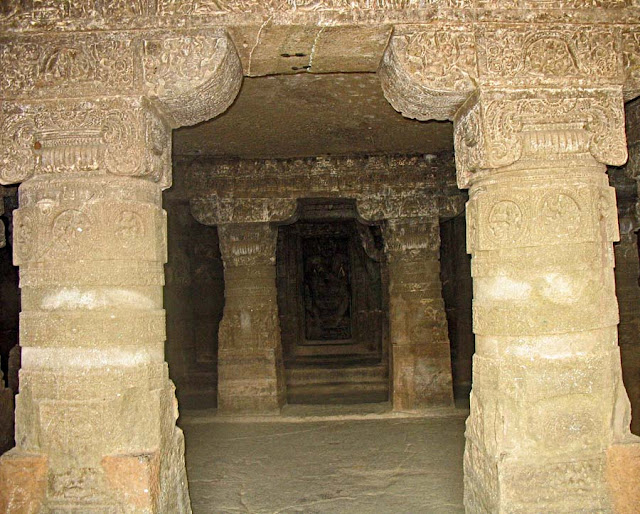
(332, 305)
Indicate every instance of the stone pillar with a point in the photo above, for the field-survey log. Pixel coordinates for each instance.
(96, 408)
(250, 367)
(420, 353)
(548, 400)
(89, 137)
(6, 394)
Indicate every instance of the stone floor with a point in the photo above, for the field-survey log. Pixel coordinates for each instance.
(326, 461)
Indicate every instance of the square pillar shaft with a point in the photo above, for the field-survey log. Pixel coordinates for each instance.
(250, 366)
(420, 352)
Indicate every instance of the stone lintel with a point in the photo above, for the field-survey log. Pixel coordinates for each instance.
(242, 191)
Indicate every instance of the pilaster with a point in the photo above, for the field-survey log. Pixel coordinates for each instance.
(420, 352)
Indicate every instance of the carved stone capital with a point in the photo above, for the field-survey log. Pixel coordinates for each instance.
(191, 75)
(89, 102)
(244, 244)
(411, 236)
(496, 129)
(429, 71)
(217, 210)
(123, 136)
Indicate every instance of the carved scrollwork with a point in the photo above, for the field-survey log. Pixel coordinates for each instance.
(524, 55)
(191, 76)
(497, 129)
(118, 137)
(430, 73)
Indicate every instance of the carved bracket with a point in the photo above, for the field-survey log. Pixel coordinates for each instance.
(192, 76)
(429, 72)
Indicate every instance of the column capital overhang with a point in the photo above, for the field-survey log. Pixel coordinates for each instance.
(106, 102)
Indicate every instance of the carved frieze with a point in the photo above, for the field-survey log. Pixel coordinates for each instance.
(67, 65)
(411, 236)
(528, 56)
(225, 191)
(513, 217)
(495, 130)
(215, 210)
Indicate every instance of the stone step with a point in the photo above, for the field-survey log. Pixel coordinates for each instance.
(332, 375)
(338, 393)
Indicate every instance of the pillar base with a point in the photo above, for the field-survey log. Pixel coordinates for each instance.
(248, 383)
(563, 484)
(148, 483)
(623, 470)
(23, 482)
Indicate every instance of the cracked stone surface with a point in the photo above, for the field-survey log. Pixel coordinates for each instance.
(394, 465)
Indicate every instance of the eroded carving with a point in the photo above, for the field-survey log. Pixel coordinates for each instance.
(494, 130)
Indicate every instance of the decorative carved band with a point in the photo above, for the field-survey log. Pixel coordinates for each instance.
(120, 137)
(215, 210)
(246, 244)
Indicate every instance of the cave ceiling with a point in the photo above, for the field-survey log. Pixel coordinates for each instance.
(306, 115)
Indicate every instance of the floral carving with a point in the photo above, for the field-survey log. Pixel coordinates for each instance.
(65, 66)
(69, 137)
(546, 56)
(429, 74)
(550, 56)
(535, 125)
(183, 72)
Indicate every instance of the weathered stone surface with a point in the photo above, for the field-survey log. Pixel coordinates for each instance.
(547, 364)
(250, 368)
(420, 354)
(623, 467)
(23, 482)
